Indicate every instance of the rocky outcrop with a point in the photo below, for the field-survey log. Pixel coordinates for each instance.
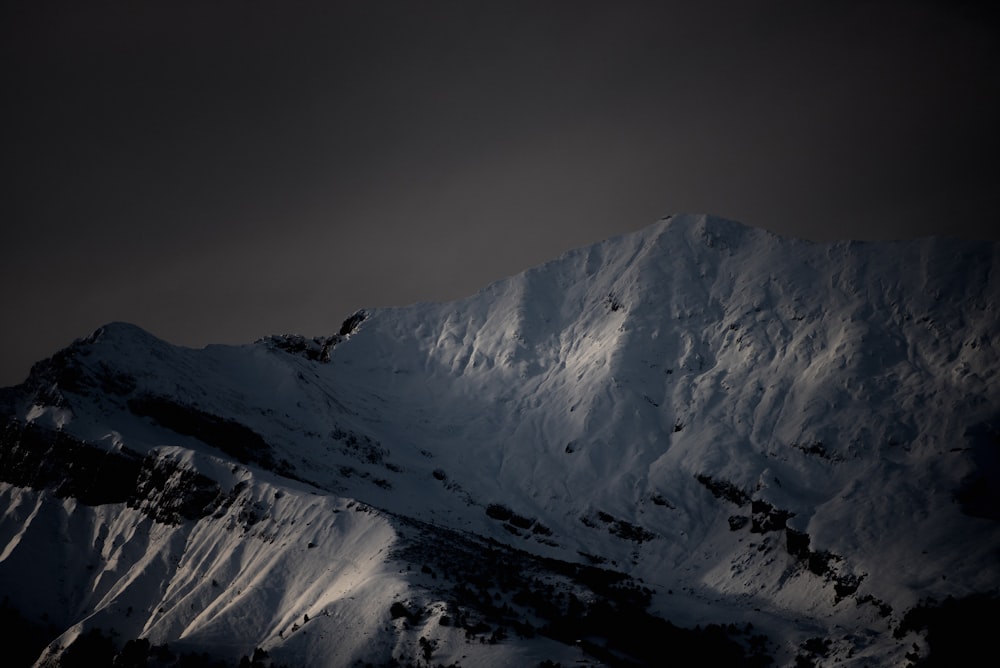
(230, 437)
(38, 458)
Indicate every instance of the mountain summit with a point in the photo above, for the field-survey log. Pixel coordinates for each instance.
(700, 439)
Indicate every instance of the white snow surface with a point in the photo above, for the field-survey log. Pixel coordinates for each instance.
(842, 383)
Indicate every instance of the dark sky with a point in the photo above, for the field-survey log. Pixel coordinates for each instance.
(219, 171)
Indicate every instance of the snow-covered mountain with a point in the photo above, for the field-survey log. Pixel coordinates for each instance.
(699, 439)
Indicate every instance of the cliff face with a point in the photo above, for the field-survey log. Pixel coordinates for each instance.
(700, 422)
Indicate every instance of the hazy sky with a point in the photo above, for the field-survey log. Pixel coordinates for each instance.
(219, 171)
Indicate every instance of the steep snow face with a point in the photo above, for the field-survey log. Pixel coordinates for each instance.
(310, 577)
(759, 428)
(247, 576)
(837, 382)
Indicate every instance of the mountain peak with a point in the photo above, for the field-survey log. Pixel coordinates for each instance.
(118, 330)
(755, 428)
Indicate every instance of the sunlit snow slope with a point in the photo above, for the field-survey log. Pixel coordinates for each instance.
(751, 428)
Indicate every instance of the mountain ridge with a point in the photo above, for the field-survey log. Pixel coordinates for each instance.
(756, 428)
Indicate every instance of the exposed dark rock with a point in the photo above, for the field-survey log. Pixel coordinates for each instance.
(631, 532)
(352, 322)
(960, 632)
(499, 512)
(816, 448)
(846, 585)
(398, 610)
(39, 458)
(819, 562)
(613, 302)
(491, 587)
(228, 436)
(170, 493)
(511, 529)
(363, 448)
(797, 543)
(540, 529)
(767, 518)
(723, 489)
(884, 609)
(316, 349)
(621, 528)
(660, 501)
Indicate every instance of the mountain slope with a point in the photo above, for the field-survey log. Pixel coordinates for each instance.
(745, 428)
